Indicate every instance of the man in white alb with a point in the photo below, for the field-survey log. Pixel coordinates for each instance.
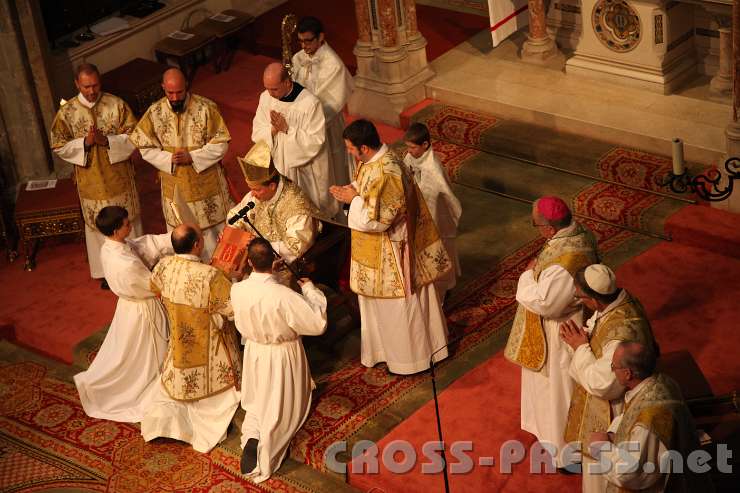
(319, 69)
(276, 378)
(134, 347)
(291, 121)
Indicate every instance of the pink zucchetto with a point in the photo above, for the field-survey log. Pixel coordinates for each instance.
(553, 208)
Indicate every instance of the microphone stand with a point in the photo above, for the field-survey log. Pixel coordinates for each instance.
(436, 405)
(242, 214)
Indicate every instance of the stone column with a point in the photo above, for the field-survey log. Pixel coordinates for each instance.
(732, 131)
(392, 65)
(721, 83)
(26, 133)
(539, 47)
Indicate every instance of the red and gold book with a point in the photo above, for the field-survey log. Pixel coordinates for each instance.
(231, 252)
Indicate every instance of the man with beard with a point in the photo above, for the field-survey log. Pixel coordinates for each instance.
(184, 136)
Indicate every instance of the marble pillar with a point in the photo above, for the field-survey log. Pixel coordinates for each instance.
(392, 65)
(27, 149)
(539, 47)
(721, 83)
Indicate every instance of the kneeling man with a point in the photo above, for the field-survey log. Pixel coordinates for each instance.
(197, 394)
(276, 381)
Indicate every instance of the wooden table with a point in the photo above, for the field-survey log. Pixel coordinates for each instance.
(188, 54)
(43, 214)
(138, 82)
(226, 36)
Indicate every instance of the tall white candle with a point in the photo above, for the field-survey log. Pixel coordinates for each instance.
(679, 167)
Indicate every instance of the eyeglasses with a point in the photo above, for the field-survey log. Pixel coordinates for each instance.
(304, 41)
(615, 368)
(536, 225)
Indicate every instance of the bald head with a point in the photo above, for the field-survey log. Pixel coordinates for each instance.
(175, 87)
(640, 359)
(186, 239)
(276, 80)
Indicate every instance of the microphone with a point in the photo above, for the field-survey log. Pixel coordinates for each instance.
(242, 212)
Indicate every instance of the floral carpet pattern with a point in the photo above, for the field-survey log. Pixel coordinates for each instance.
(47, 441)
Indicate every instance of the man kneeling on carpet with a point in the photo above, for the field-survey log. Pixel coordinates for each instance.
(276, 381)
(134, 347)
(197, 395)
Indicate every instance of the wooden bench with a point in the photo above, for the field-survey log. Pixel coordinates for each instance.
(138, 82)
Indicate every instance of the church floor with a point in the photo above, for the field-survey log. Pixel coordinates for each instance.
(495, 80)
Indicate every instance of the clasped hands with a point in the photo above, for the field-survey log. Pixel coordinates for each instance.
(572, 334)
(344, 193)
(278, 123)
(181, 157)
(95, 137)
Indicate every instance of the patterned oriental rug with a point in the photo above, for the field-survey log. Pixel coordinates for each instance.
(48, 442)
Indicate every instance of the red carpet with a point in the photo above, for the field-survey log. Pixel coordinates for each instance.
(689, 295)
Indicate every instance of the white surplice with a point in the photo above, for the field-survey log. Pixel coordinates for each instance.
(443, 205)
(276, 378)
(545, 395)
(119, 149)
(132, 352)
(325, 75)
(301, 154)
(403, 332)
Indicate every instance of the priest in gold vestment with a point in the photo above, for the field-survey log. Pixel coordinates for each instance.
(618, 317)
(184, 136)
(632, 452)
(91, 132)
(197, 394)
(546, 297)
(282, 212)
(396, 255)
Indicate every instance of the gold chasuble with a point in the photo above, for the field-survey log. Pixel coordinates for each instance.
(99, 183)
(392, 198)
(627, 322)
(527, 345)
(659, 407)
(271, 218)
(202, 356)
(206, 193)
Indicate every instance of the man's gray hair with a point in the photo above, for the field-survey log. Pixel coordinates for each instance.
(641, 359)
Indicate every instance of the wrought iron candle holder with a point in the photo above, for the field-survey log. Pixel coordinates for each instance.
(707, 186)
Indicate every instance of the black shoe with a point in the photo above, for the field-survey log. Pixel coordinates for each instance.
(570, 469)
(249, 456)
(104, 284)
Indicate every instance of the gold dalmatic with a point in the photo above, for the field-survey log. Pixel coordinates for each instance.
(527, 344)
(659, 407)
(206, 193)
(626, 322)
(391, 197)
(99, 183)
(202, 356)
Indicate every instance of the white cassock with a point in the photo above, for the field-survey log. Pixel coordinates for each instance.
(276, 378)
(119, 149)
(325, 75)
(444, 207)
(302, 154)
(133, 350)
(545, 395)
(597, 378)
(403, 332)
(651, 449)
